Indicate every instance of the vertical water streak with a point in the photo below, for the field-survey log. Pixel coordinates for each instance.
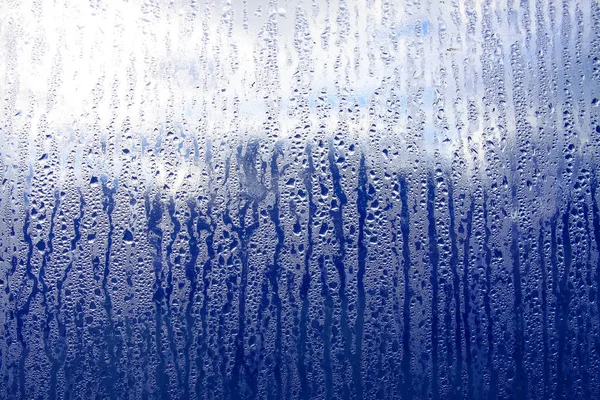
(519, 350)
(457, 385)
(305, 387)
(493, 385)
(434, 258)
(407, 386)
(274, 273)
(467, 300)
(562, 313)
(110, 372)
(58, 359)
(169, 289)
(23, 311)
(190, 274)
(244, 232)
(336, 213)
(60, 319)
(361, 205)
(544, 310)
(208, 225)
(154, 215)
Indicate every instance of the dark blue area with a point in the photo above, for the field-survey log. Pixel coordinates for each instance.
(315, 282)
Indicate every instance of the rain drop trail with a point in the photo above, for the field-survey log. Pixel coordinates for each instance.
(245, 233)
(288, 356)
(230, 282)
(209, 225)
(9, 315)
(467, 300)
(434, 258)
(111, 375)
(275, 270)
(55, 360)
(519, 350)
(240, 366)
(62, 329)
(154, 214)
(326, 329)
(457, 387)
(338, 261)
(190, 274)
(493, 385)
(562, 313)
(545, 340)
(584, 323)
(391, 356)
(305, 392)
(596, 228)
(407, 386)
(263, 323)
(555, 280)
(24, 310)
(362, 255)
(146, 354)
(169, 289)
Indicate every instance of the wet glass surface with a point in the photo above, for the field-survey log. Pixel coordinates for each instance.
(299, 199)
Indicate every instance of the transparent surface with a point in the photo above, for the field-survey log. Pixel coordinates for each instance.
(299, 199)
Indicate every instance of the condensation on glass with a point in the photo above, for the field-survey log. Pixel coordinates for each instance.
(299, 199)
